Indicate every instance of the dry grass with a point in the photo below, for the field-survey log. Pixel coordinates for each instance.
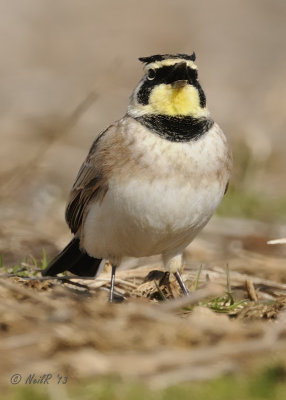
(67, 325)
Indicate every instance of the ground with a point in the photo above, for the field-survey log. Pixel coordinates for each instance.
(232, 324)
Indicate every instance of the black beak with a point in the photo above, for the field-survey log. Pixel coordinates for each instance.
(179, 75)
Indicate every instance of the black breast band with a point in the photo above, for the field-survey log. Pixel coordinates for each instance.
(176, 129)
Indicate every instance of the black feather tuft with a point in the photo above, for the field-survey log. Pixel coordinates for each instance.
(72, 259)
(161, 57)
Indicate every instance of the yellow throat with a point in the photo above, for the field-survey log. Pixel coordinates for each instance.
(169, 100)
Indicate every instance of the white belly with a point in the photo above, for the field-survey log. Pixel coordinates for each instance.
(141, 219)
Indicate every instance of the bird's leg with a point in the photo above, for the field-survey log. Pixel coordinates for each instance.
(181, 283)
(111, 292)
(173, 264)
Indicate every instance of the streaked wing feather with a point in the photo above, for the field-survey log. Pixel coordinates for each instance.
(90, 184)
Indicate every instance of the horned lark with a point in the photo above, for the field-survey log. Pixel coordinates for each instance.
(151, 180)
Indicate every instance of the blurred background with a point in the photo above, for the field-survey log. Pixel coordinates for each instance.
(68, 68)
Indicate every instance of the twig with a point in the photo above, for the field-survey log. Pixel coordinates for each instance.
(251, 290)
(193, 298)
(277, 241)
(193, 373)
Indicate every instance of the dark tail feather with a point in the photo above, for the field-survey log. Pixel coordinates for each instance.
(72, 259)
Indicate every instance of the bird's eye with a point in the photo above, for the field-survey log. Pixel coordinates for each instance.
(151, 74)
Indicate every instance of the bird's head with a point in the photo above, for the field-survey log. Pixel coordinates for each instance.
(169, 87)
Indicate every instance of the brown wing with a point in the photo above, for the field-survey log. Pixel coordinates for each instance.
(91, 184)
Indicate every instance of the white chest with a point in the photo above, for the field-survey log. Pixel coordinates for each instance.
(163, 203)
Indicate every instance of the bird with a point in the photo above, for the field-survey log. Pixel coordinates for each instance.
(152, 180)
